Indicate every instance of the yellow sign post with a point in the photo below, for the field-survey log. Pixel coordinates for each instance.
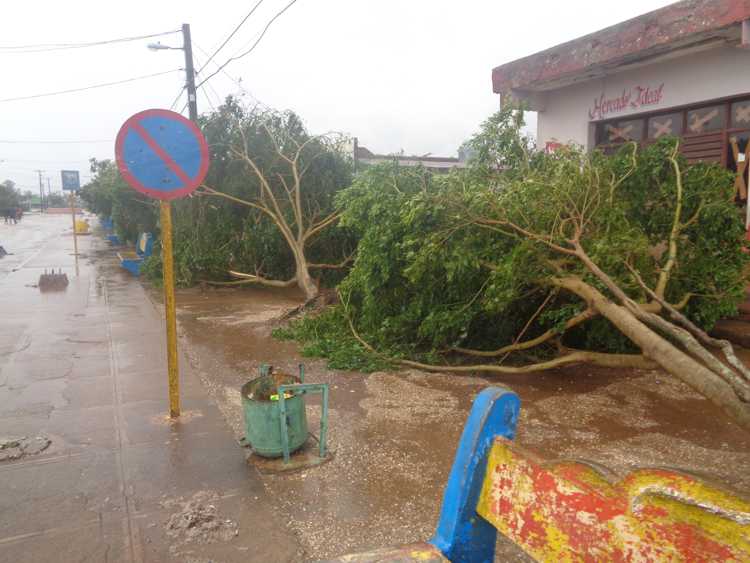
(163, 155)
(71, 182)
(167, 258)
(73, 215)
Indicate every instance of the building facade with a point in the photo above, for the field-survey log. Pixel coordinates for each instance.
(682, 70)
(435, 164)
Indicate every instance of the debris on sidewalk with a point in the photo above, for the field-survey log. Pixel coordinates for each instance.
(16, 448)
(53, 281)
(197, 521)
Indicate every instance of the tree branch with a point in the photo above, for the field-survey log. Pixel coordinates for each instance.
(597, 358)
(724, 345)
(276, 214)
(738, 384)
(528, 234)
(252, 278)
(322, 224)
(208, 191)
(333, 266)
(661, 284)
(525, 345)
(635, 361)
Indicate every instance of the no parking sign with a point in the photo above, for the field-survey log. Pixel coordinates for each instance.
(163, 155)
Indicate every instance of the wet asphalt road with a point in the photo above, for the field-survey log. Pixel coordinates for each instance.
(85, 367)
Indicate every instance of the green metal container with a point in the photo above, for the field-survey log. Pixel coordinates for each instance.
(260, 406)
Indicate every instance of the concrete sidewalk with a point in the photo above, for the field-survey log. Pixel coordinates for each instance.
(87, 368)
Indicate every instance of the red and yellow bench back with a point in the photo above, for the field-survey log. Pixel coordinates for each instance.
(567, 511)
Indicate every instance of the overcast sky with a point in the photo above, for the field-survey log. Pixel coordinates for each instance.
(410, 74)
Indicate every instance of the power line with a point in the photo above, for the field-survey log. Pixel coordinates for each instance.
(43, 160)
(44, 47)
(93, 86)
(28, 169)
(223, 71)
(177, 99)
(216, 94)
(210, 86)
(242, 88)
(46, 142)
(250, 50)
(208, 99)
(235, 30)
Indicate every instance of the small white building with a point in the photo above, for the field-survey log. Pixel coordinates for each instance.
(436, 164)
(682, 70)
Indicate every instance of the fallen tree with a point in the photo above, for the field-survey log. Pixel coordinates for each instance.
(557, 259)
(288, 177)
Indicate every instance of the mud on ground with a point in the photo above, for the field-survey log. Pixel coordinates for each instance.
(394, 434)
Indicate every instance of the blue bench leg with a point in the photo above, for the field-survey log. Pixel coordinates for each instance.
(462, 535)
(132, 266)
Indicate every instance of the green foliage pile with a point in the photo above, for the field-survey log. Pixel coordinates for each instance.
(438, 267)
(327, 335)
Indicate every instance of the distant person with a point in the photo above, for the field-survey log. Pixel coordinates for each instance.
(9, 215)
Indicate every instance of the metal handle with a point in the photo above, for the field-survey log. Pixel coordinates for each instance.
(303, 388)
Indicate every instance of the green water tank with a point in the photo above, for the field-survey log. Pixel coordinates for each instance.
(260, 407)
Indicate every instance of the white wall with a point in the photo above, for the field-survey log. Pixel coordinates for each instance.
(720, 72)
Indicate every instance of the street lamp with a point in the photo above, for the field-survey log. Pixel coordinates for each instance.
(187, 47)
(159, 47)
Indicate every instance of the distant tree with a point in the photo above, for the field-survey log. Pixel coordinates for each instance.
(57, 200)
(9, 195)
(108, 195)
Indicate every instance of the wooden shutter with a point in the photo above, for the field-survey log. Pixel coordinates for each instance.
(703, 148)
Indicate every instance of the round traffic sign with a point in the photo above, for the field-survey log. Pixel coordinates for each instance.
(162, 154)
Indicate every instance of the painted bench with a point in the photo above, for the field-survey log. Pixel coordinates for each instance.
(108, 225)
(132, 260)
(568, 511)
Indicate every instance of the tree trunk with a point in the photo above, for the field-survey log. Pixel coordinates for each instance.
(657, 348)
(304, 280)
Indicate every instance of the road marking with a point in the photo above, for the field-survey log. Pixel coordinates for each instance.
(134, 541)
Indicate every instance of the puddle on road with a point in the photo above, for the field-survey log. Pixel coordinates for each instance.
(249, 317)
(394, 435)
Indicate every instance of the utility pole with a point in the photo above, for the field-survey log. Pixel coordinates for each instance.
(41, 192)
(187, 46)
(49, 190)
(166, 233)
